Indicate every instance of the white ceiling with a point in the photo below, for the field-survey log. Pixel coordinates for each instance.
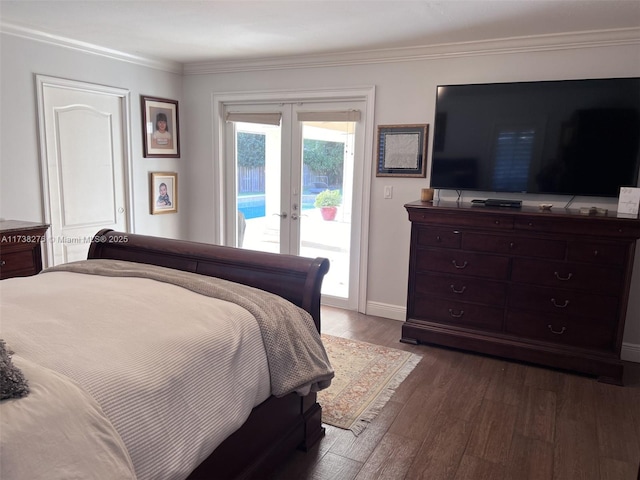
(188, 31)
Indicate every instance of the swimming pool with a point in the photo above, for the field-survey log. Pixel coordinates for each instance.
(253, 206)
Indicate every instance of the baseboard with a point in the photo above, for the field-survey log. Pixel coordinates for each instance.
(386, 310)
(630, 351)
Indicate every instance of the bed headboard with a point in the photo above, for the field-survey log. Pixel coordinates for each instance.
(298, 279)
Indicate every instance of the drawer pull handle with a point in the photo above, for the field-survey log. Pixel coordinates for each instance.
(564, 279)
(453, 289)
(455, 264)
(456, 315)
(497, 222)
(557, 305)
(595, 253)
(2, 263)
(512, 245)
(556, 332)
(438, 238)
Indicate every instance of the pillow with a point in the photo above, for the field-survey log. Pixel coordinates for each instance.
(12, 381)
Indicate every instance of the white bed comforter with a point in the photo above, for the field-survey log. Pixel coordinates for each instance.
(33, 438)
(175, 372)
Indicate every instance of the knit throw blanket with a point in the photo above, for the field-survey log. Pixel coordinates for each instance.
(297, 359)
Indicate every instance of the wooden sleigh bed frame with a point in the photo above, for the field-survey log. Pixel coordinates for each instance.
(278, 426)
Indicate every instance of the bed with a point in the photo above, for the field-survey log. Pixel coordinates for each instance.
(280, 419)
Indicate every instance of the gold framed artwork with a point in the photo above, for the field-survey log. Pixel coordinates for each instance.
(402, 150)
(163, 192)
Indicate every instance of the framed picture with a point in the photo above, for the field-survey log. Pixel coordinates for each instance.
(163, 192)
(402, 150)
(160, 129)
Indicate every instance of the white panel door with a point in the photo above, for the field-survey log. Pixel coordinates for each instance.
(83, 138)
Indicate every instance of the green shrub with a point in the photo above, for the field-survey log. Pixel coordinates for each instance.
(328, 198)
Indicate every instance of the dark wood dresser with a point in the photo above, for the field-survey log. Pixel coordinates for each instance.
(21, 248)
(547, 287)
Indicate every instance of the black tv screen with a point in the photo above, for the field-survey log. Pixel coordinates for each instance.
(569, 137)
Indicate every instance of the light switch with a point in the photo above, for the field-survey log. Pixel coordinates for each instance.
(388, 191)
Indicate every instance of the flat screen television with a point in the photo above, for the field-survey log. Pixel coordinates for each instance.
(569, 137)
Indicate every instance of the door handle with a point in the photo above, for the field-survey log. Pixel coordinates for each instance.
(281, 215)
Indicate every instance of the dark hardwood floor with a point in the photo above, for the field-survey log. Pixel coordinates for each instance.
(466, 416)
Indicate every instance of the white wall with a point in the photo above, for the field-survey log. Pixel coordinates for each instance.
(405, 93)
(20, 189)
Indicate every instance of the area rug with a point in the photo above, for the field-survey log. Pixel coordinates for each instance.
(366, 378)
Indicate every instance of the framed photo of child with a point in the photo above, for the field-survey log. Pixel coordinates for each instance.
(163, 192)
(160, 127)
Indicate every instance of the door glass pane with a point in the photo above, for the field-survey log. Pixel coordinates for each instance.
(258, 186)
(325, 216)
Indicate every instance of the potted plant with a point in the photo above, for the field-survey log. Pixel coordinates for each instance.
(328, 201)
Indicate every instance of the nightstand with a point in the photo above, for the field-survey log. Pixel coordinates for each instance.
(21, 248)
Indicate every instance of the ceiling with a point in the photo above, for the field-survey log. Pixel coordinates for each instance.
(191, 31)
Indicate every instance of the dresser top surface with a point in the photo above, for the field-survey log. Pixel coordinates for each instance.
(17, 225)
(524, 210)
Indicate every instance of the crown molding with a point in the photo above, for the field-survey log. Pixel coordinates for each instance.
(60, 41)
(513, 45)
(502, 46)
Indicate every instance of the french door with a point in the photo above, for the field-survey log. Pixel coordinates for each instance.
(281, 160)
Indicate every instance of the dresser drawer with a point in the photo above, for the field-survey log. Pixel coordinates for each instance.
(563, 302)
(460, 314)
(461, 288)
(598, 279)
(583, 225)
(18, 262)
(594, 252)
(482, 219)
(572, 331)
(439, 237)
(462, 263)
(514, 245)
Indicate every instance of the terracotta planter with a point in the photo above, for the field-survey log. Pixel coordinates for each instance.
(329, 213)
